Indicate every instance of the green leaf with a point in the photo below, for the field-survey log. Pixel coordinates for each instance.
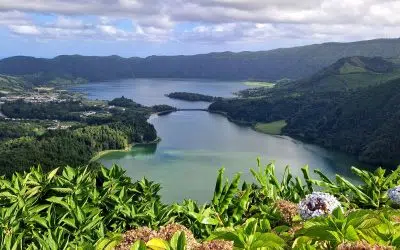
(59, 201)
(109, 242)
(40, 220)
(242, 206)
(37, 209)
(307, 178)
(228, 236)
(138, 245)
(63, 190)
(157, 244)
(338, 213)
(351, 234)
(218, 187)
(227, 196)
(178, 241)
(51, 175)
(269, 241)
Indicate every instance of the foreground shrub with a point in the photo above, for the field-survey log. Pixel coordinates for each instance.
(78, 208)
(318, 204)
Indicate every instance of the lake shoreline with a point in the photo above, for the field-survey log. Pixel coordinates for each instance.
(299, 138)
(252, 125)
(103, 153)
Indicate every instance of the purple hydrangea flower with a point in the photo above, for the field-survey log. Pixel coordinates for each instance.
(394, 195)
(317, 204)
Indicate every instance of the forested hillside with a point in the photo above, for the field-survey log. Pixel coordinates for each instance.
(349, 73)
(75, 139)
(293, 63)
(362, 122)
(12, 84)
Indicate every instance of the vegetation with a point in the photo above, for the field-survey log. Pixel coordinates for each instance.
(360, 121)
(348, 73)
(193, 97)
(65, 111)
(101, 208)
(259, 84)
(12, 84)
(29, 142)
(273, 128)
(124, 102)
(293, 63)
(162, 108)
(16, 129)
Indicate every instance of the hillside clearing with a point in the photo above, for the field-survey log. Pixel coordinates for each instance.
(272, 128)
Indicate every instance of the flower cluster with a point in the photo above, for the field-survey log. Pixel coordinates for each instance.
(362, 245)
(287, 210)
(394, 194)
(166, 233)
(317, 204)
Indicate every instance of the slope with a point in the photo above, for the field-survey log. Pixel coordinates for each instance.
(293, 63)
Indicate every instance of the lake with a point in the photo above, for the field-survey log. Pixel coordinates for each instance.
(152, 91)
(195, 144)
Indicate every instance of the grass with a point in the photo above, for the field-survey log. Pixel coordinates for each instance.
(106, 152)
(349, 69)
(259, 84)
(272, 128)
(11, 84)
(100, 154)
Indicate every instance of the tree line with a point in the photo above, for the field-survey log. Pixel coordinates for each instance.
(363, 122)
(21, 147)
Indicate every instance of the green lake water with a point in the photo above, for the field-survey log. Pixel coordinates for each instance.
(195, 144)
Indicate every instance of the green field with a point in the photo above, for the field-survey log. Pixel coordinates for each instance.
(272, 128)
(347, 68)
(11, 84)
(259, 84)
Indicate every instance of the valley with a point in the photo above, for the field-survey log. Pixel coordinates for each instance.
(351, 106)
(99, 143)
(196, 143)
(199, 125)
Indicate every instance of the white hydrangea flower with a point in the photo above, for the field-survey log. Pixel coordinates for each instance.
(394, 194)
(317, 204)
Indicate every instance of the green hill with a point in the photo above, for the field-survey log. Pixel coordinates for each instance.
(272, 65)
(11, 83)
(349, 73)
(363, 122)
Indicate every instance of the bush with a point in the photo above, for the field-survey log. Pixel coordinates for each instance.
(83, 208)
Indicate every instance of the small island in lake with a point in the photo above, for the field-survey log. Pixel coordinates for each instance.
(192, 97)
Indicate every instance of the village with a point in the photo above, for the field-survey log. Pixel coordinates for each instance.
(39, 95)
(51, 95)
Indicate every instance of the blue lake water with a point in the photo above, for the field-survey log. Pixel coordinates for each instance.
(195, 145)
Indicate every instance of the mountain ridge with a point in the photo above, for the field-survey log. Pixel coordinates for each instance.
(349, 73)
(294, 63)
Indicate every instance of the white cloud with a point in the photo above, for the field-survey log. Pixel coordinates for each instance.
(25, 30)
(13, 18)
(216, 20)
(69, 23)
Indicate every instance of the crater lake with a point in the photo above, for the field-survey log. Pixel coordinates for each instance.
(195, 144)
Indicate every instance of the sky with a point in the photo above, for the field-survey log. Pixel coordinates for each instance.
(47, 28)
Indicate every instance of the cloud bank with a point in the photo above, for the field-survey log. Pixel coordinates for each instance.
(202, 21)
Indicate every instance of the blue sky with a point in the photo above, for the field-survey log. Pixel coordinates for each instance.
(46, 28)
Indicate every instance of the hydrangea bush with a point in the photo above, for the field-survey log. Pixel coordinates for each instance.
(317, 204)
(394, 195)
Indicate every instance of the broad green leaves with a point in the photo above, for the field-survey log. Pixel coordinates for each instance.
(253, 234)
(177, 242)
(78, 208)
(74, 207)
